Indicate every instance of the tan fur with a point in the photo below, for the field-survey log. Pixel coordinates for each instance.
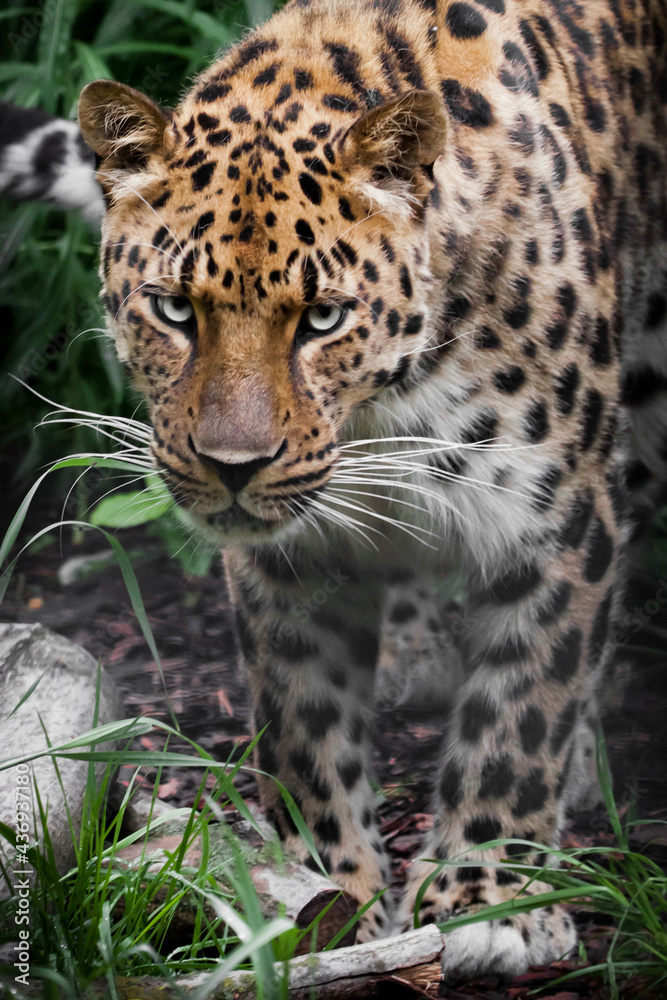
(477, 192)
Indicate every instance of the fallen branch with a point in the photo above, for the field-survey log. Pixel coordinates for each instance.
(363, 970)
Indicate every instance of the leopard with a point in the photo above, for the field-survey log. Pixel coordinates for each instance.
(392, 282)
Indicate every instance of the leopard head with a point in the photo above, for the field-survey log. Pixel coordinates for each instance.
(265, 276)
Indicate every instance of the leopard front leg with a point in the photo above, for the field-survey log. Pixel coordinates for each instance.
(536, 639)
(309, 636)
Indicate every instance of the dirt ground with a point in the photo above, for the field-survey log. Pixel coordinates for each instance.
(192, 625)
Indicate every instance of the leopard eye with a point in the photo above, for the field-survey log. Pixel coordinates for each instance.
(324, 318)
(174, 309)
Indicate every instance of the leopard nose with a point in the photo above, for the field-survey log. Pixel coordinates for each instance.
(236, 475)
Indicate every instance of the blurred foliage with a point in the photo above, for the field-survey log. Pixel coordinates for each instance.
(50, 320)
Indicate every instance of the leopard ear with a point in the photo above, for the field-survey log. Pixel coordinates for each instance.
(394, 141)
(121, 125)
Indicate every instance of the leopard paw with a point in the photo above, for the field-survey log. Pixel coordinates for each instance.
(506, 947)
(509, 946)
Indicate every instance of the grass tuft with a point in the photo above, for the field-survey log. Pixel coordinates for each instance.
(107, 917)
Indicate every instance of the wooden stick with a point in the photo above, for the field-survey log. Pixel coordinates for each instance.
(364, 970)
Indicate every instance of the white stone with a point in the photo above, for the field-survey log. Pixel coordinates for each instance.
(62, 707)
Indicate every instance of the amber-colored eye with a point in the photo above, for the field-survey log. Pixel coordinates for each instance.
(323, 318)
(174, 309)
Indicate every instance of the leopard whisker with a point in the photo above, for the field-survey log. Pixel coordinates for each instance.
(436, 446)
(343, 520)
(303, 506)
(149, 246)
(442, 474)
(192, 534)
(308, 516)
(92, 456)
(119, 486)
(118, 181)
(135, 428)
(354, 225)
(377, 496)
(396, 484)
(104, 334)
(288, 560)
(66, 499)
(401, 525)
(404, 422)
(353, 296)
(144, 284)
(437, 347)
(141, 449)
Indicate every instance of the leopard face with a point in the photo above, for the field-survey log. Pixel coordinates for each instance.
(258, 295)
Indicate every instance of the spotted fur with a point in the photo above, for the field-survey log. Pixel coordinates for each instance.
(479, 187)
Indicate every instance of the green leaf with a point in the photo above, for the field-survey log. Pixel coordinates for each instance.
(53, 45)
(12, 70)
(206, 25)
(94, 67)
(126, 510)
(123, 48)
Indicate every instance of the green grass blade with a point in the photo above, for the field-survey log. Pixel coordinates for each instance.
(337, 938)
(26, 695)
(19, 517)
(92, 63)
(15, 12)
(126, 48)
(204, 24)
(300, 824)
(607, 786)
(111, 732)
(271, 931)
(53, 44)
(127, 572)
(524, 904)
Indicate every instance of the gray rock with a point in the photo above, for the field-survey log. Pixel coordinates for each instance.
(61, 707)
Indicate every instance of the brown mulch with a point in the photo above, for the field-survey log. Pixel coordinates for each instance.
(191, 622)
